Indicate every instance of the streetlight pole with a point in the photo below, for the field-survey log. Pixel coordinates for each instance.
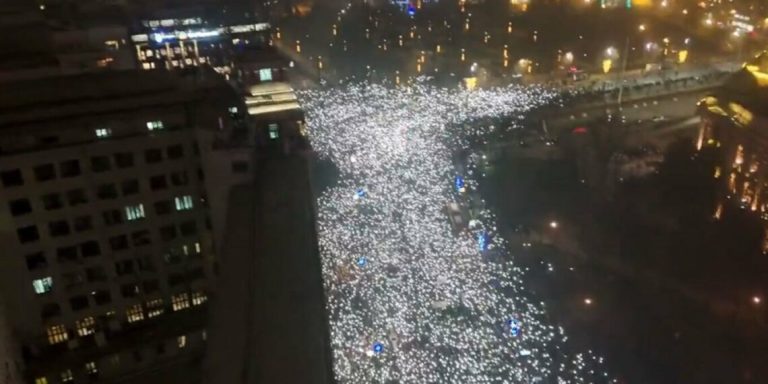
(623, 69)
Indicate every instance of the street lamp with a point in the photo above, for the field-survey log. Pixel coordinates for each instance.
(553, 224)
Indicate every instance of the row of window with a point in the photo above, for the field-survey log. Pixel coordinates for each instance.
(91, 368)
(59, 228)
(58, 333)
(106, 191)
(72, 168)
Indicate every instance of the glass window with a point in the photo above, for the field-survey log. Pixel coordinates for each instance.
(20, 207)
(106, 191)
(100, 163)
(57, 334)
(76, 197)
(103, 132)
(130, 187)
(90, 248)
(58, 228)
(78, 302)
(180, 301)
(155, 308)
(153, 155)
(265, 74)
(45, 172)
(155, 125)
(90, 368)
(70, 168)
(181, 341)
(175, 151)
(183, 203)
(124, 159)
(12, 178)
(163, 207)
(28, 234)
(41, 380)
(67, 377)
(86, 326)
(52, 201)
(199, 298)
(36, 261)
(134, 212)
(43, 285)
(134, 313)
(274, 131)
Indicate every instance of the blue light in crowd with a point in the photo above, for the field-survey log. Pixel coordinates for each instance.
(482, 241)
(458, 182)
(411, 10)
(362, 261)
(378, 348)
(514, 327)
(360, 192)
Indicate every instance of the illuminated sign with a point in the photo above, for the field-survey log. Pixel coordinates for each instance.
(184, 35)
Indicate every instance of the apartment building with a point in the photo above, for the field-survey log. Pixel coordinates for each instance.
(109, 254)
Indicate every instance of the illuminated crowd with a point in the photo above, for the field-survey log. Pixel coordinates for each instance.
(414, 297)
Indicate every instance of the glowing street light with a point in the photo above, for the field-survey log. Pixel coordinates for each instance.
(463, 55)
(298, 46)
(641, 27)
(588, 301)
(553, 224)
(757, 300)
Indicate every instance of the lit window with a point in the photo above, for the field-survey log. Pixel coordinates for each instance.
(146, 65)
(183, 203)
(180, 301)
(90, 368)
(155, 125)
(265, 74)
(197, 248)
(274, 131)
(134, 313)
(232, 110)
(67, 377)
(43, 285)
(199, 298)
(134, 212)
(182, 341)
(57, 334)
(41, 380)
(86, 326)
(103, 132)
(155, 308)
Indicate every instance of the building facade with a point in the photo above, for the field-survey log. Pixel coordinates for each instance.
(109, 249)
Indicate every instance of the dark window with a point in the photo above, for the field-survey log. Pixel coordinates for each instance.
(158, 182)
(90, 249)
(175, 279)
(145, 264)
(78, 302)
(195, 148)
(168, 232)
(83, 223)
(70, 168)
(45, 172)
(160, 348)
(124, 159)
(101, 297)
(28, 234)
(130, 187)
(137, 356)
(20, 207)
(179, 178)
(188, 228)
(175, 151)
(72, 279)
(163, 207)
(12, 178)
(76, 197)
(36, 261)
(50, 310)
(106, 191)
(52, 201)
(118, 242)
(100, 164)
(141, 238)
(94, 274)
(49, 140)
(200, 174)
(151, 286)
(58, 228)
(124, 267)
(195, 274)
(112, 217)
(239, 166)
(129, 290)
(153, 156)
(66, 254)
